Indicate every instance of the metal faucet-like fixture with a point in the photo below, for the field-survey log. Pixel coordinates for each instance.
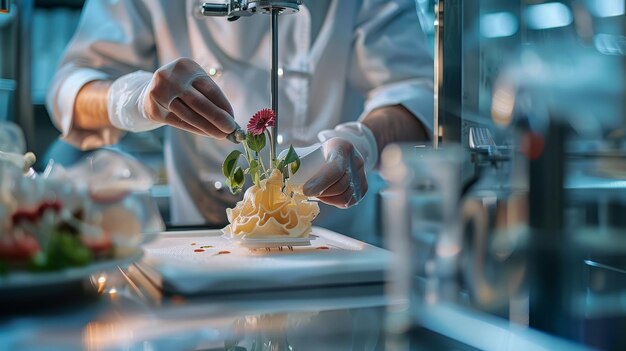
(234, 9)
(5, 6)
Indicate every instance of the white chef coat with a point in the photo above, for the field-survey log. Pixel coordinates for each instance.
(367, 54)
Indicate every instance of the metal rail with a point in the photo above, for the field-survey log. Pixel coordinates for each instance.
(274, 80)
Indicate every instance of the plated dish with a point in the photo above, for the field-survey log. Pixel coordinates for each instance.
(272, 209)
(29, 280)
(204, 261)
(65, 224)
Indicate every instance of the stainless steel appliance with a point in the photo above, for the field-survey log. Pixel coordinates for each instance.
(233, 9)
(547, 79)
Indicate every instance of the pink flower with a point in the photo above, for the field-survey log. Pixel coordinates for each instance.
(260, 121)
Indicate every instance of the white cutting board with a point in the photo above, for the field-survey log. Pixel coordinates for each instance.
(172, 265)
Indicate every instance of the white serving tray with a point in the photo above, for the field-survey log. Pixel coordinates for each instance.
(171, 264)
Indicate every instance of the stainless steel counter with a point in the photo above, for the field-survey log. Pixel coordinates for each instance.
(117, 311)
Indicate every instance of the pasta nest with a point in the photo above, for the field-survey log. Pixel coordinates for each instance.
(269, 210)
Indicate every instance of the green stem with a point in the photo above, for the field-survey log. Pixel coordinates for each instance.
(249, 159)
(272, 149)
(261, 162)
(248, 154)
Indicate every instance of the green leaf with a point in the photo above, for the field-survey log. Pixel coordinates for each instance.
(291, 160)
(295, 166)
(238, 178)
(234, 189)
(236, 181)
(256, 142)
(228, 167)
(291, 156)
(254, 171)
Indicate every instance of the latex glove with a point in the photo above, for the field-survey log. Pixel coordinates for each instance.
(361, 138)
(349, 151)
(340, 181)
(180, 94)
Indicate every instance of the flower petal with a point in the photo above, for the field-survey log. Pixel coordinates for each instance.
(261, 120)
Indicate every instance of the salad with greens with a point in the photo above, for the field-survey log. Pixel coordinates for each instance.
(65, 218)
(48, 237)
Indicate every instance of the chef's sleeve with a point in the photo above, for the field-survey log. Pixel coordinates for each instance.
(392, 63)
(113, 38)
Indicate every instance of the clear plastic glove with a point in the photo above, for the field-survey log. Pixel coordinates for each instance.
(341, 180)
(338, 177)
(361, 138)
(180, 94)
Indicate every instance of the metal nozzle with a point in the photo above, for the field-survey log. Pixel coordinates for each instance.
(233, 9)
(237, 136)
(238, 8)
(283, 6)
(210, 9)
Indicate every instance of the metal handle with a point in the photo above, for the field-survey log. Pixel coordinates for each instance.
(211, 9)
(238, 8)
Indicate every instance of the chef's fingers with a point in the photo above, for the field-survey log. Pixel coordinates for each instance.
(328, 175)
(340, 185)
(352, 195)
(340, 157)
(219, 108)
(175, 121)
(164, 87)
(207, 109)
(180, 108)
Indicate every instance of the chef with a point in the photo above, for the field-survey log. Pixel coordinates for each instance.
(355, 75)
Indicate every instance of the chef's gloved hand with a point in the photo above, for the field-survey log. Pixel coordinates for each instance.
(349, 151)
(180, 94)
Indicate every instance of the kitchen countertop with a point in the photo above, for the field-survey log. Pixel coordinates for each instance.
(114, 311)
(120, 314)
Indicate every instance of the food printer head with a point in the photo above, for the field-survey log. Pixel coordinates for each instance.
(233, 9)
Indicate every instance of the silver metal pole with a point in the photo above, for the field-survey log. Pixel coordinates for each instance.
(274, 79)
(438, 69)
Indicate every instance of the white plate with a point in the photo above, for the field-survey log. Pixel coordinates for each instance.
(172, 264)
(267, 241)
(29, 280)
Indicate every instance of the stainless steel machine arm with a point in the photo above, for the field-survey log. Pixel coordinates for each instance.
(233, 9)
